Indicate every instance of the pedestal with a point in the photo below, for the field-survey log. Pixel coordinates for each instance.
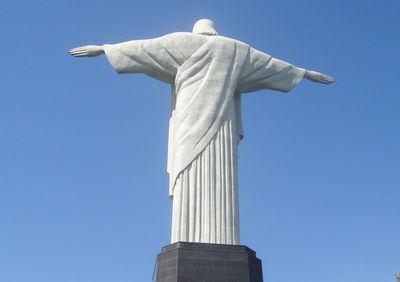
(199, 262)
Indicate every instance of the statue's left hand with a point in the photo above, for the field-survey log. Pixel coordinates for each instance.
(87, 51)
(318, 77)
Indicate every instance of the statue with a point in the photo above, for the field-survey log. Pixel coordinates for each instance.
(208, 73)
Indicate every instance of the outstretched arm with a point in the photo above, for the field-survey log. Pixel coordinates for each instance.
(158, 57)
(261, 71)
(87, 51)
(318, 77)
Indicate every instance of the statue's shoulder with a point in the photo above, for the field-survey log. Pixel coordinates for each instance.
(180, 35)
(222, 42)
(233, 41)
(186, 38)
(200, 37)
(193, 41)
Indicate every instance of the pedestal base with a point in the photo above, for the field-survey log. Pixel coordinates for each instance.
(199, 262)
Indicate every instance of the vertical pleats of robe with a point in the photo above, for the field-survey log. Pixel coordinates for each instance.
(205, 203)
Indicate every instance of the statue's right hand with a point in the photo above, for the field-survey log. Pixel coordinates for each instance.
(87, 51)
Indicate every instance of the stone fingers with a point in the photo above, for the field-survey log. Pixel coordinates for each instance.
(327, 79)
(79, 52)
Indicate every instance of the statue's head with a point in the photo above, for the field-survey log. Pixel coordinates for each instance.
(205, 26)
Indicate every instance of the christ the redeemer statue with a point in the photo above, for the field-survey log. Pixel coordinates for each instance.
(208, 73)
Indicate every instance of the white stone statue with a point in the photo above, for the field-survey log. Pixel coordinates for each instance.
(208, 73)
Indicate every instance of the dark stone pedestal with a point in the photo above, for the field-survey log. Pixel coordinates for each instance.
(199, 262)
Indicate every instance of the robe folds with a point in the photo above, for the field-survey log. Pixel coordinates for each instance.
(207, 76)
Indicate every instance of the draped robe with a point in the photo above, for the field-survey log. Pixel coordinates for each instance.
(207, 76)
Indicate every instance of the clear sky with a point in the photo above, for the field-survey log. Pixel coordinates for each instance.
(83, 150)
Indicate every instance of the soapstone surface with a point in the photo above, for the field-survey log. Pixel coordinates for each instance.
(208, 74)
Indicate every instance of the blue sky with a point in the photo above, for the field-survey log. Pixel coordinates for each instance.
(83, 183)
